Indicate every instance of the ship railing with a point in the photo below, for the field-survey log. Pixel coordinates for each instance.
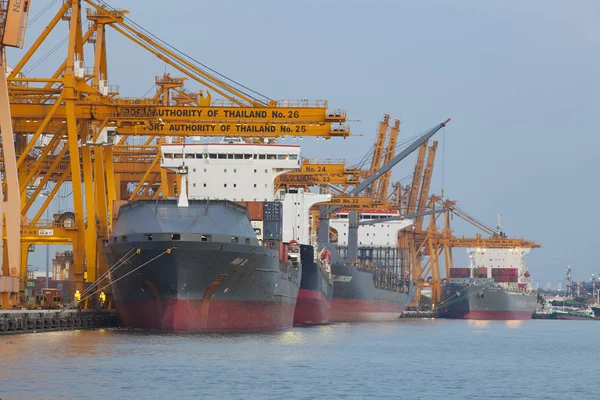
(323, 161)
(202, 200)
(302, 103)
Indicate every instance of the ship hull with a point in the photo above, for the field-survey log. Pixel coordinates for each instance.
(355, 297)
(313, 306)
(196, 289)
(199, 283)
(482, 299)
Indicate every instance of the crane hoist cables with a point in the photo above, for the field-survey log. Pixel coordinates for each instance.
(45, 56)
(104, 4)
(38, 15)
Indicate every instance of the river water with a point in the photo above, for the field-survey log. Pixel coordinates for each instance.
(408, 359)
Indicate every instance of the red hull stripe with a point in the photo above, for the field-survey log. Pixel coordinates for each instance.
(207, 316)
(489, 314)
(353, 310)
(312, 308)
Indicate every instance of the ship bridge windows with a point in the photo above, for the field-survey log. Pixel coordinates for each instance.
(212, 156)
(178, 155)
(168, 155)
(176, 236)
(222, 156)
(271, 157)
(190, 155)
(293, 156)
(248, 156)
(238, 156)
(262, 156)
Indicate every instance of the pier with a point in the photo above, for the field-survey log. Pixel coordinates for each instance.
(31, 321)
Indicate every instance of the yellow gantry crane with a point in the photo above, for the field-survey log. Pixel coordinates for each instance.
(73, 128)
(13, 23)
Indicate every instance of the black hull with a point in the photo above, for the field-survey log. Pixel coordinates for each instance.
(357, 298)
(198, 282)
(316, 291)
(481, 298)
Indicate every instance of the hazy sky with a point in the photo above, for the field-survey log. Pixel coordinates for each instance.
(519, 79)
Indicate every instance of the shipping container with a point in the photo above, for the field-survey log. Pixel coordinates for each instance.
(258, 227)
(255, 210)
(271, 230)
(272, 210)
(283, 252)
(522, 286)
(505, 279)
(504, 271)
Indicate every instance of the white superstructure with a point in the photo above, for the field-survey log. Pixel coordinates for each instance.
(233, 171)
(500, 258)
(379, 234)
(296, 213)
(237, 171)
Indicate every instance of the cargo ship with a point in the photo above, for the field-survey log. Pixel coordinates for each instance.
(495, 286)
(214, 258)
(316, 286)
(376, 286)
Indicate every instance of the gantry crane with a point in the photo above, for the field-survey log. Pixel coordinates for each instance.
(431, 247)
(73, 127)
(13, 24)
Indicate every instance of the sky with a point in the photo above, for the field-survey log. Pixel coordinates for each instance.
(519, 80)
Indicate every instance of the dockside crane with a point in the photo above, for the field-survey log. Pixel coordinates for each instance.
(73, 127)
(325, 211)
(13, 24)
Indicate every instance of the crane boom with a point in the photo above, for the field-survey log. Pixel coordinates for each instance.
(384, 182)
(411, 204)
(426, 184)
(405, 153)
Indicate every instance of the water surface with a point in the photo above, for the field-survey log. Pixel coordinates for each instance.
(409, 359)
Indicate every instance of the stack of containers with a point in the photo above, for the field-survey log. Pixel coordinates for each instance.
(505, 275)
(460, 273)
(272, 220)
(255, 211)
(480, 272)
